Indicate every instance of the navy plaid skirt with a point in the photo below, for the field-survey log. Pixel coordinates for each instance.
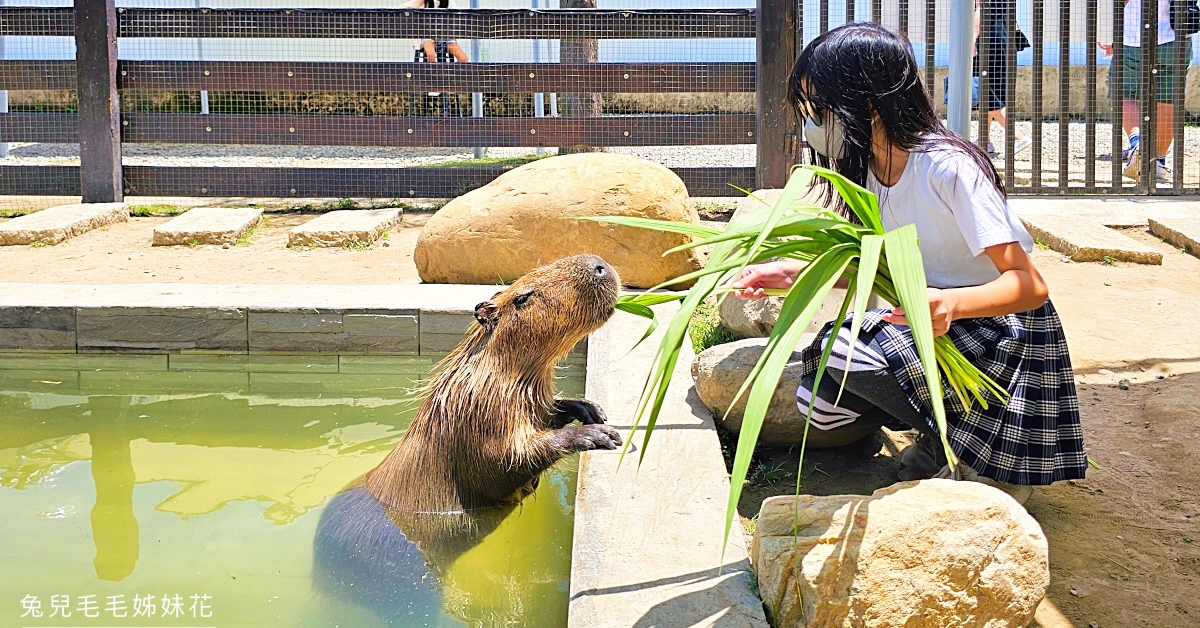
(1033, 439)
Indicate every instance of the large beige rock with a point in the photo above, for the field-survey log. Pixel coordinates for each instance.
(931, 553)
(522, 219)
(719, 372)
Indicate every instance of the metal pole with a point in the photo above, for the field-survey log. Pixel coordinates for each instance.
(200, 57)
(476, 97)
(539, 99)
(3, 97)
(962, 29)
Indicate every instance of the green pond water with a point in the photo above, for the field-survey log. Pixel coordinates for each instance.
(134, 495)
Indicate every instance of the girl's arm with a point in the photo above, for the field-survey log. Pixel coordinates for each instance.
(1019, 288)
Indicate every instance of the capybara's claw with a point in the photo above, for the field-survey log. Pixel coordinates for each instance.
(582, 410)
(597, 437)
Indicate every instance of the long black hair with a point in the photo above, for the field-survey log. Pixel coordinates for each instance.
(859, 69)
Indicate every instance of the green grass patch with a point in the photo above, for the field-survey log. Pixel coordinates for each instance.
(486, 162)
(1109, 260)
(13, 213)
(706, 329)
(143, 211)
(1042, 245)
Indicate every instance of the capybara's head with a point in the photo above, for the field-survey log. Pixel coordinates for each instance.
(550, 309)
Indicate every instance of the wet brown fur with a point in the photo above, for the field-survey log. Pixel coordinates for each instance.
(490, 423)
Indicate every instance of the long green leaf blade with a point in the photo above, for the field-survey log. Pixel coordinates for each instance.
(801, 305)
(868, 265)
(908, 276)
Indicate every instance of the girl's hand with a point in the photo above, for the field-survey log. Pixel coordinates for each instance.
(1107, 48)
(755, 280)
(941, 310)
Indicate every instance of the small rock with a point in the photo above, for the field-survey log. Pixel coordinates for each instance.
(1160, 376)
(1147, 425)
(1123, 384)
(386, 244)
(1065, 260)
(1074, 592)
(225, 246)
(1105, 372)
(1106, 282)
(720, 371)
(1093, 624)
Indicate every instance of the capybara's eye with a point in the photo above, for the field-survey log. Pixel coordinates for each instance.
(522, 298)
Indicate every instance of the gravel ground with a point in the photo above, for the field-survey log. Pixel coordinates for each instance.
(26, 154)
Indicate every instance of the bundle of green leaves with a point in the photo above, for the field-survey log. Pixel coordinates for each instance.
(873, 261)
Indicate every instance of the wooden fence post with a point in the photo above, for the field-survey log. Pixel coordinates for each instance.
(776, 134)
(99, 106)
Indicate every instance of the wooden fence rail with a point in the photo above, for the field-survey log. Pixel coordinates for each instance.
(492, 78)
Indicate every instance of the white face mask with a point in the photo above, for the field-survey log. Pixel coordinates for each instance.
(828, 138)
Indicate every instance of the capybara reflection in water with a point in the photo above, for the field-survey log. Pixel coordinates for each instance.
(488, 427)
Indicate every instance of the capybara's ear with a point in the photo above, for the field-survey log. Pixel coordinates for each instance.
(485, 313)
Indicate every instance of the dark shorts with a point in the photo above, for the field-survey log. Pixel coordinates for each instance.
(1172, 70)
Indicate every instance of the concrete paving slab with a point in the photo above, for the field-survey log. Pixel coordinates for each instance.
(55, 224)
(207, 225)
(1084, 239)
(1110, 211)
(1181, 231)
(648, 537)
(346, 227)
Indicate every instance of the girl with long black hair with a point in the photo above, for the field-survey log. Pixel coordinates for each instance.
(867, 115)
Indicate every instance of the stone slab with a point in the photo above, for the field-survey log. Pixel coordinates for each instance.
(1110, 211)
(345, 227)
(148, 328)
(207, 225)
(648, 537)
(1181, 231)
(1087, 240)
(394, 332)
(56, 224)
(37, 328)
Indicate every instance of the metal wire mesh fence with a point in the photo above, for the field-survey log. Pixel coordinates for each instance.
(397, 100)
(1063, 101)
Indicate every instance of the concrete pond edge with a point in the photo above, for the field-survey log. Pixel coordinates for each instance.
(648, 528)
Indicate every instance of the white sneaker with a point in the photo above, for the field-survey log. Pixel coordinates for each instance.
(1133, 165)
(1162, 173)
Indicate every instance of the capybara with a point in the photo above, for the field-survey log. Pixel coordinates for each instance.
(488, 427)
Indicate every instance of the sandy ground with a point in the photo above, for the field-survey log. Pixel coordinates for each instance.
(122, 253)
(1124, 543)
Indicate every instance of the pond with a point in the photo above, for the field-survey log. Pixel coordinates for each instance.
(168, 498)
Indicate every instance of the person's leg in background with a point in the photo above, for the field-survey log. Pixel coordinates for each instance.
(999, 116)
(457, 52)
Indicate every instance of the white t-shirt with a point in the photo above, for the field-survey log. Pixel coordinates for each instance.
(1133, 23)
(958, 213)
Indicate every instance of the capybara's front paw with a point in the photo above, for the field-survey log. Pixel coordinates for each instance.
(582, 410)
(596, 436)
